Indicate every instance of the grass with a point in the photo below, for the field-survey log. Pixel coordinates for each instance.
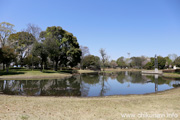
(104, 108)
(35, 74)
(119, 70)
(86, 71)
(172, 75)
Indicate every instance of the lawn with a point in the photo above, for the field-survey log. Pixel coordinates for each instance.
(35, 74)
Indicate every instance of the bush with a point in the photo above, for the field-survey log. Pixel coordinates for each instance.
(149, 66)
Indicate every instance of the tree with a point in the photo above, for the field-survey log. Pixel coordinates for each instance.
(120, 62)
(136, 62)
(5, 30)
(149, 66)
(31, 60)
(113, 64)
(172, 57)
(168, 61)
(53, 50)
(22, 43)
(85, 52)
(91, 62)
(177, 61)
(67, 51)
(161, 62)
(34, 30)
(103, 57)
(7, 56)
(40, 50)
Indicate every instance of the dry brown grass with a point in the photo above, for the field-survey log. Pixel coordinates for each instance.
(103, 108)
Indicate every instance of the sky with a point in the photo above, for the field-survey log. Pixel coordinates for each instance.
(138, 27)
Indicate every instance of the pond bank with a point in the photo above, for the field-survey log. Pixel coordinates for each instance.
(27, 74)
(111, 107)
(171, 75)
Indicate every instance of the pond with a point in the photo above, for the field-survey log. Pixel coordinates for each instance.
(86, 85)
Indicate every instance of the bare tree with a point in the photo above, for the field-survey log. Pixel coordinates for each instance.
(5, 30)
(104, 57)
(85, 52)
(34, 30)
(172, 57)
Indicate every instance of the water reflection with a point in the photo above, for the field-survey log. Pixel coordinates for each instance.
(55, 87)
(89, 85)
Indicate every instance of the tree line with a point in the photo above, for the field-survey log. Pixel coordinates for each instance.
(56, 48)
(142, 62)
(52, 48)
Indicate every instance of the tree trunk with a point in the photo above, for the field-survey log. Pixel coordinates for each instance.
(3, 66)
(41, 65)
(103, 66)
(32, 63)
(56, 65)
(53, 65)
(7, 68)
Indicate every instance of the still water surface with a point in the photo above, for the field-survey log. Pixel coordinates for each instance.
(85, 85)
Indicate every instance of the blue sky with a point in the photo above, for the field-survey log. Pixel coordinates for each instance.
(140, 27)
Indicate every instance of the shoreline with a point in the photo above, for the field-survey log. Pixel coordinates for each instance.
(65, 75)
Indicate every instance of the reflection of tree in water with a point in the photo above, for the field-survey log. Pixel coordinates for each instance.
(121, 77)
(113, 76)
(1, 85)
(84, 88)
(63, 87)
(86, 81)
(176, 85)
(138, 78)
(104, 88)
(90, 78)
(11, 87)
(31, 87)
(160, 80)
(131, 77)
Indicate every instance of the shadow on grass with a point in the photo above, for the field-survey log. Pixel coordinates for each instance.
(59, 71)
(47, 71)
(65, 71)
(10, 73)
